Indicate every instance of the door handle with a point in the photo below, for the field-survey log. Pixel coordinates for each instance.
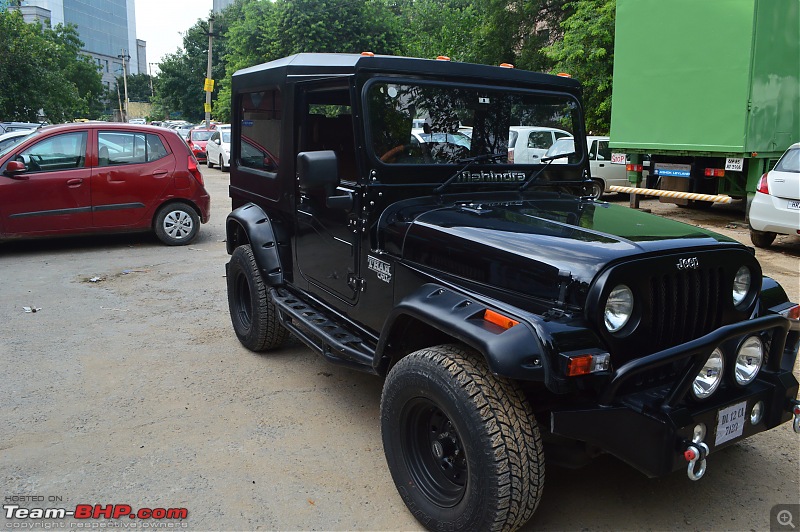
(601, 165)
(159, 173)
(72, 183)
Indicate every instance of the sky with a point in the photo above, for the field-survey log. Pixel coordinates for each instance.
(162, 23)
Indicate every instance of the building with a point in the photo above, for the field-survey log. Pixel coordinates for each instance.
(219, 5)
(106, 27)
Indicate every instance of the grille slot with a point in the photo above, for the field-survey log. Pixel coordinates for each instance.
(684, 305)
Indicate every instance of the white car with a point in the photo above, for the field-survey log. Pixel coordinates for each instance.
(13, 137)
(776, 206)
(606, 169)
(528, 144)
(218, 149)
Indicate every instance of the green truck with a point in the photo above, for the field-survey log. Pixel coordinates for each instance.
(708, 90)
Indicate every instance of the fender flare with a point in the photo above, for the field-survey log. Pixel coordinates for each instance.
(265, 236)
(517, 352)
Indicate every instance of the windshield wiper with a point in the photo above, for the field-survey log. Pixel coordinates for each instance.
(470, 161)
(547, 160)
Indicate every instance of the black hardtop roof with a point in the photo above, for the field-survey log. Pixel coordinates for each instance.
(319, 65)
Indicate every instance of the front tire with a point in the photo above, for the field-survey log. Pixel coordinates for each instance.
(253, 314)
(462, 445)
(222, 164)
(208, 162)
(597, 189)
(762, 239)
(176, 224)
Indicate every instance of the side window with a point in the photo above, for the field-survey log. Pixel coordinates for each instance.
(559, 134)
(261, 129)
(603, 151)
(121, 147)
(61, 152)
(215, 136)
(540, 139)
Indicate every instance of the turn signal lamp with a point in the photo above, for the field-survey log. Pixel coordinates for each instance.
(587, 363)
(714, 172)
(368, 54)
(634, 167)
(192, 167)
(442, 58)
(563, 75)
(498, 319)
(792, 313)
(506, 65)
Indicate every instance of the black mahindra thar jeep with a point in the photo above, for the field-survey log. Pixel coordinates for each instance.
(379, 216)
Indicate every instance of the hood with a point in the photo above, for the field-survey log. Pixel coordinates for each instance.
(532, 246)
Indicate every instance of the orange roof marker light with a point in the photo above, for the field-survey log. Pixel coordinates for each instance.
(563, 75)
(368, 54)
(506, 65)
(442, 58)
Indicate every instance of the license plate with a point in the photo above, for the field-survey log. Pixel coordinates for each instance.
(794, 205)
(730, 422)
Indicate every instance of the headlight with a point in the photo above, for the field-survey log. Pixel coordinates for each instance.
(619, 307)
(741, 285)
(707, 381)
(748, 360)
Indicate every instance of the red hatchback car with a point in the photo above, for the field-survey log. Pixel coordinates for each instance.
(198, 139)
(102, 177)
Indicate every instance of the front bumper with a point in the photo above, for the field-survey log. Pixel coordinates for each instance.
(651, 429)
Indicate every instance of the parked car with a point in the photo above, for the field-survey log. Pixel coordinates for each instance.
(139, 121)
(101, 177)
(776, 206)
(198, 139)
(5, 127)
(527, 144)
(606, 169)
(218, 149)
(13, 137)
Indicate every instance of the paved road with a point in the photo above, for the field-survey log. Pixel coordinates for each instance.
(133, 390)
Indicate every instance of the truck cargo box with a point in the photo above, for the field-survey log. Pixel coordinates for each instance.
(713, 77)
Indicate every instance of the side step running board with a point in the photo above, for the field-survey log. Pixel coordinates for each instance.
(337, 344)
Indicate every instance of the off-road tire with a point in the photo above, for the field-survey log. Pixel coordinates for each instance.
(176, 224)
(762, 239)
(253, 314)
(462, 444)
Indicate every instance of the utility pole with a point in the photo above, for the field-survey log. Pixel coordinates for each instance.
(150, 74)
(125, 81)
(208, 71)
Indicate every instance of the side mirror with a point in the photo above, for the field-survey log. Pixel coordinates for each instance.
(318, 170)
(14, 168)
(217, 142)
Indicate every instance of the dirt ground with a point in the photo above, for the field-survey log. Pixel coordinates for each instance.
(129, 387)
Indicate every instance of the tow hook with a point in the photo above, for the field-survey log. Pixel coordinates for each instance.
(696, 452)
(796, 412)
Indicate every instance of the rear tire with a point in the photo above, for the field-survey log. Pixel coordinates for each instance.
(462, 445)
(176, 224)
(762, 239)
(253, 314)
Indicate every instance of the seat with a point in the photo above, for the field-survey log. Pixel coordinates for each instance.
(102, 156)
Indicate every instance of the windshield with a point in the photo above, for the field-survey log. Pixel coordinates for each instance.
(203, 134)
(11, 141)
(416, 123)
(561, 146)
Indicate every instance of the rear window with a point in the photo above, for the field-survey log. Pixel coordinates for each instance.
(790, 162)
(121, 147)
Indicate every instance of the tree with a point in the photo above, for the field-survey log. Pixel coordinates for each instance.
(138, 87)
(587, 54)
(41, 70)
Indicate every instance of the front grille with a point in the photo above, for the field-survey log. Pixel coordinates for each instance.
(684, 305)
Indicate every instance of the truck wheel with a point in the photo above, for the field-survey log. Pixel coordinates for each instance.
(462, 445)
(253, 314)
(176, 224)
(597, 188)
(762, 239)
